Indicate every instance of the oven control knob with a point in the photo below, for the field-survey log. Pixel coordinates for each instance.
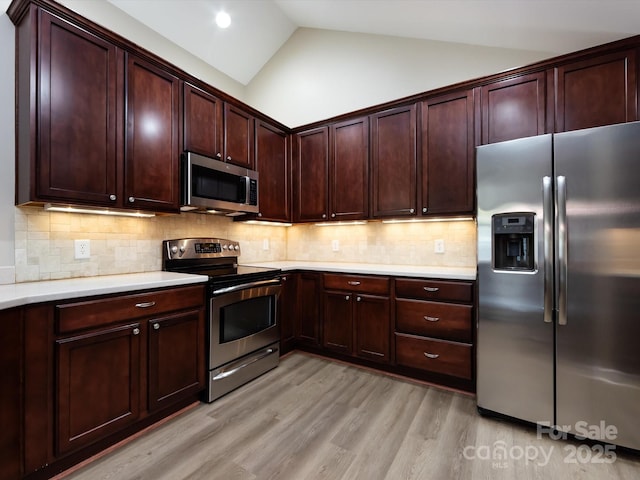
(174, 249)
(182, 249)
(236, 247)
(224, 246)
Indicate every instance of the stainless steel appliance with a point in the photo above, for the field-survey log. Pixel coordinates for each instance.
(559, 280)
(209, 185)
(243, 328)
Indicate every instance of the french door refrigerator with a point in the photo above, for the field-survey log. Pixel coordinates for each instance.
(559, 280)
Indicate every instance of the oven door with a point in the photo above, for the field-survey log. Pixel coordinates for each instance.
(243, 319)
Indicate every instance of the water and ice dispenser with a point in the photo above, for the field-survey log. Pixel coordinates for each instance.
(513, 241)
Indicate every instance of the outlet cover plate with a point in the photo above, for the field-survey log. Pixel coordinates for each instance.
(82, 249)
(439, 246)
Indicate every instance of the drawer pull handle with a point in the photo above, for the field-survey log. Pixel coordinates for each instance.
(353, 282)
(145, 304)
(136, 331)
(430, 289)
(431, 355)
(431, 319)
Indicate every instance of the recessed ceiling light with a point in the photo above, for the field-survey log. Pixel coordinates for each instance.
(223, 20)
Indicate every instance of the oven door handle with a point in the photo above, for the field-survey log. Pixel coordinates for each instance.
(244, 286)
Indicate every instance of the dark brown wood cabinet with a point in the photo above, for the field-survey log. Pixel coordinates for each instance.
(349, 170)
(11, 354)
(309, 311)
(597, 91)
(514, 108)
(356, 317)
(203, 124)
(311, 178)
(67, 137)
(448, 154)
(273, 166)
(238, 136)
(120, 359)
(393, 162)
(151, 165)
(288, 308)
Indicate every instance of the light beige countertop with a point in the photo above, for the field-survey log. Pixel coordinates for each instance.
(16, 294)
(423, 271)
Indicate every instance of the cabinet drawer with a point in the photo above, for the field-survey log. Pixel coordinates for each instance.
(435, 290)
(94, 313)
(437, 356)
(357, 283)
(434, 319)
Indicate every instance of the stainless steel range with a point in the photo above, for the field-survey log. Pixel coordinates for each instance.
(243, 329)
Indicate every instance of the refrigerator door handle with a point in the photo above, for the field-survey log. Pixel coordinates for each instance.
(547, 242)
(561, 232)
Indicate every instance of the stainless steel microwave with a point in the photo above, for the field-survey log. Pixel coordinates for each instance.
(217, 187)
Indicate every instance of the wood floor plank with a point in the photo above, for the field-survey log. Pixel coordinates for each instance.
(315, 419)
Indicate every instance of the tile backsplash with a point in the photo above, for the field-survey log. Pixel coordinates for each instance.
(44, 243)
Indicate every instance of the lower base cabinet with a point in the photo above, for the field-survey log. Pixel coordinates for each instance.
(10, 361)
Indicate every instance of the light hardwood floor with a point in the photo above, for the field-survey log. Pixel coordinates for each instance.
(313, 418)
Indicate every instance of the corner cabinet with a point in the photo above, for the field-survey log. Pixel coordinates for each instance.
(393, 162)
(152, 154)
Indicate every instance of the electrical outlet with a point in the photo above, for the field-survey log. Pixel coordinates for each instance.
(335, 245)
(265, 244)
(439, 246)
(82, 249)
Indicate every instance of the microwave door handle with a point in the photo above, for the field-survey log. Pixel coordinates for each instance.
(247, 190)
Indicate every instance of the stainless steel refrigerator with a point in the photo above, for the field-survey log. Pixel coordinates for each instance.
(559, 280)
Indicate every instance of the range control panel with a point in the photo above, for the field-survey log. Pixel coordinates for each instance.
(188, 248)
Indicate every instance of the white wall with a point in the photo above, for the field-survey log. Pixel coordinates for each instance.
(7, 149)
(318, 74)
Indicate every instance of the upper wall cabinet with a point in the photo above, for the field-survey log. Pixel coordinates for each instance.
(349, 170)
(448, 154)
(514, 108)
(202, 122)
(598, 91)
(96, 126)
(311, 177)
(272, 163)
(238, 136)
(152, 148)
(393, 162)
(66, 122)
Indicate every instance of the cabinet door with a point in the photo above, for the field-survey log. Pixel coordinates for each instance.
(308, 318)
(287, 304)
(152, 152)
(349, 170)
(598, 91)
(337, 331)
(238, 136)
(176, 358)
(77, 112)
(312, 175)
(10, 392)
(98, 385)
(372, 327)
(514, 108)
(202, 122)
(272, 163)
(448, 156)
(393, 155)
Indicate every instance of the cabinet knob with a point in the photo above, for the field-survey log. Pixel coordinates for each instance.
(229, 158)
(112, 197)
(347, 297)
(132, 199)
(218, 155)
(411, 210)
(358, 299)
(156, 326)
(333, 215)
(424, 209)
(324, 215)
(136, 331)
(259, 214)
